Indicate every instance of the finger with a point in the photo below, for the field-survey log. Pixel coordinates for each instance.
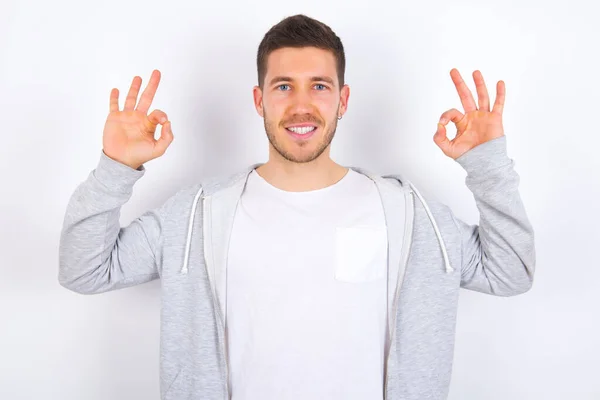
(149, 92)
(466, 98)
(158, 117)
(482, 93)
(451, 115)
(114, 100)
(500, 96)
(131, 98)
(441, 139)
(165, 139)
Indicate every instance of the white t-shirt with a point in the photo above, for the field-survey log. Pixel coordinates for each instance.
(306, 292)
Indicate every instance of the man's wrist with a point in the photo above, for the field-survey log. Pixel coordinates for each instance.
(485, 157)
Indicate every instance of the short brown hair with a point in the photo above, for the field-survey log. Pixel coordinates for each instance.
(300, 31)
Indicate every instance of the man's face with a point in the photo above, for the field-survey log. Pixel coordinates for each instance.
(300, 102)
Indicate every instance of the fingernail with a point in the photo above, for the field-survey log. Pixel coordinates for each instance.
(163, 120)
(443, 120)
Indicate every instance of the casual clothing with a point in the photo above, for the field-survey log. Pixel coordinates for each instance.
(306, 292)
(431, 254)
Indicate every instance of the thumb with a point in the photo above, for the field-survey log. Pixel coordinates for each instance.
(165, 139)
(441, 139)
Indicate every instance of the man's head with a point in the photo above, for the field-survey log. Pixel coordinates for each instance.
(300, 65)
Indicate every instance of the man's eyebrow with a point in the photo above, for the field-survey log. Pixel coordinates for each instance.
(323, 79)
(313, 79)
(280, 79)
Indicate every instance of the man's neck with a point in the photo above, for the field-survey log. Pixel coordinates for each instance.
(302, 177)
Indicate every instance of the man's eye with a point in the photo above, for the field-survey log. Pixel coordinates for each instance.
(320, 87)
(283, 86)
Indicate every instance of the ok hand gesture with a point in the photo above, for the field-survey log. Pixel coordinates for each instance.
(129, 134)
(476, 125)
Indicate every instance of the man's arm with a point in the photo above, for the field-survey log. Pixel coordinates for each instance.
(96, 255)
(498, 255)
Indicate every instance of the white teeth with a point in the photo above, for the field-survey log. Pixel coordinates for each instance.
(302, 130)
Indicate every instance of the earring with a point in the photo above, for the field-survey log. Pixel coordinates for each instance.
(339, 118)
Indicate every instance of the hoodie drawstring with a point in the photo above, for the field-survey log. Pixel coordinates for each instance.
(435, 228)
(184, 268)
(186, 259)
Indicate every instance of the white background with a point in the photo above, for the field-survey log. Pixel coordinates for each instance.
(59, 60)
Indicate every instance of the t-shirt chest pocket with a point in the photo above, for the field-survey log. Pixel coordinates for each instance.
(360, 253)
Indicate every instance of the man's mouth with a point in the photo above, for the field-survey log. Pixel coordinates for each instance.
(301, 131)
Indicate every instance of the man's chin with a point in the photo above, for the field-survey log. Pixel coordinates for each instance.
(301, 155)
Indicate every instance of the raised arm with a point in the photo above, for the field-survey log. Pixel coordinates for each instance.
(96, 254)
(498, 254)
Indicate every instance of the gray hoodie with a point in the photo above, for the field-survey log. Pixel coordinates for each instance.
(185, 241)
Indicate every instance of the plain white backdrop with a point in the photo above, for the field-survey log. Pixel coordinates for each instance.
(60, 59)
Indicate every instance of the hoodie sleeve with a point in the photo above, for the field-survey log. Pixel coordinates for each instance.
(96, 254)
(498, 255)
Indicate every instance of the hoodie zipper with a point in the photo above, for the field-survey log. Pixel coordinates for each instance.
(407, 242)
(207, 223)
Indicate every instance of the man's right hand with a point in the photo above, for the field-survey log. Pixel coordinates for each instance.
(129, 134)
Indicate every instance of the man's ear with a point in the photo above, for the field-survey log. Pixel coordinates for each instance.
(258, 100)
(344, 97)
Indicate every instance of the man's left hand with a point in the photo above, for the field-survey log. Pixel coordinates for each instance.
(476, 125)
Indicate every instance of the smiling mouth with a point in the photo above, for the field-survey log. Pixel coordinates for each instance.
(301, 130)
(302, 133)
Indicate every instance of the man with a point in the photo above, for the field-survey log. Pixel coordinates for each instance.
(300, 278)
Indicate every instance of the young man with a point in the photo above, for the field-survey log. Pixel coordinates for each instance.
(300, 278)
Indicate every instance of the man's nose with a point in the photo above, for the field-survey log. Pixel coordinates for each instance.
(302, 102)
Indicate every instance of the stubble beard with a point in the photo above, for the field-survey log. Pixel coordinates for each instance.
(326, 139)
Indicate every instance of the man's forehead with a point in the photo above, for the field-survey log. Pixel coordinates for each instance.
(313, 54)
(306, 63)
